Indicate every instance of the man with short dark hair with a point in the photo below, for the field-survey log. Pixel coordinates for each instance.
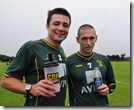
(82, 90)
(29, 62)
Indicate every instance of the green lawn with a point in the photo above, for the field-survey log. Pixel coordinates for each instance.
(120, 97)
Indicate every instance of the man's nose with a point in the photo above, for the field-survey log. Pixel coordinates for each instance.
(88, 42)
(61, 27)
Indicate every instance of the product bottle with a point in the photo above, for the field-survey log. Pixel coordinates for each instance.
(97, 77)
(51, 71)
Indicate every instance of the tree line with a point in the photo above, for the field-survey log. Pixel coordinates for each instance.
(5, 58)
(118, 58)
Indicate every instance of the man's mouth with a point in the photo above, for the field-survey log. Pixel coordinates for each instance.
(60, 34)
(88, 47)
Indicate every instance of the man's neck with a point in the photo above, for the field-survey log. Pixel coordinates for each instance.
(55, 44)
(86, 56)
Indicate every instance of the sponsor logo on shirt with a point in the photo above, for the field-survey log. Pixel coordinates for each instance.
(62, 73)
(89, 78)
(79, 65)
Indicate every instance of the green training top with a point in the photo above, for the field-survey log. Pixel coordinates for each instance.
(29, 62)
(81, 79)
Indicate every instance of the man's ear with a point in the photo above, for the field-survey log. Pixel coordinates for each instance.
(47, 26)
(96, 38)
(77, 39)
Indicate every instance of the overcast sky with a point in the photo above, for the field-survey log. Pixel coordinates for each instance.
(24, 20)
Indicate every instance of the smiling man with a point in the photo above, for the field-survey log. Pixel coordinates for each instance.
(29, 61)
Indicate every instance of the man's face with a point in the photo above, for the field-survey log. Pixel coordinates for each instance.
(58, 27)
(87, 41)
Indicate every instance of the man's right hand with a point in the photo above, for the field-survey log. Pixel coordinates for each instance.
(43, 88)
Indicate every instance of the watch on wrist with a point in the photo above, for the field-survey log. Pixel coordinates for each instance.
(28, 88)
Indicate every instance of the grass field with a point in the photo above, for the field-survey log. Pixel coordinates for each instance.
(120, 97)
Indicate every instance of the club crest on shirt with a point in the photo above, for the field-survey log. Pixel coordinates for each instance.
(99, 63)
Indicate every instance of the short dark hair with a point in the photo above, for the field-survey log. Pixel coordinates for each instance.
(61, 11)
(85, 26)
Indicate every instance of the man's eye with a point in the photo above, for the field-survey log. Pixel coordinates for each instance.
(84, 39)
(56, 24)
(65, 25)
(92, 38)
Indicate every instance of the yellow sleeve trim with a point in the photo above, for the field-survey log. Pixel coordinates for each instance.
(112, 84)
(6, 75)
